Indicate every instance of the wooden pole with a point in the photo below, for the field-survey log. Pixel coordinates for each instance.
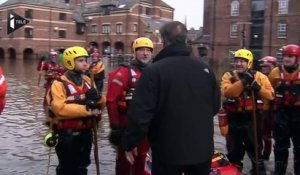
(255, 132)
(95, 135)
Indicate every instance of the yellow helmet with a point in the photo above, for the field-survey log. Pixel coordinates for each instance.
(70, 54)
(142, 42)
(245, 54)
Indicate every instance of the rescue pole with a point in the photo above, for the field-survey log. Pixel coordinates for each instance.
(255, 132)
(95, 137)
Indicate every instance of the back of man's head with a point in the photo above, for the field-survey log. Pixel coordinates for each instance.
(173, 33)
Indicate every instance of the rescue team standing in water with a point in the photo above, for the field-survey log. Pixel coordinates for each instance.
(258, 106)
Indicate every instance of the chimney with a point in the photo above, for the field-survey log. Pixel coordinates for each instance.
(156, 9)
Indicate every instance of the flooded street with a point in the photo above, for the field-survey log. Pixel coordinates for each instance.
(22, 131)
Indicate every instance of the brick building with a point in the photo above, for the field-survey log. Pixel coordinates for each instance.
(263, 26)
(109, 25)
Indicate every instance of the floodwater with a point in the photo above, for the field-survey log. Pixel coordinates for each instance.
(22, 131)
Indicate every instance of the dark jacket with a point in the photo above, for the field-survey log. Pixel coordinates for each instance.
(174, 102)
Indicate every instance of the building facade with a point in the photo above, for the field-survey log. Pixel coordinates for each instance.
(108, 25)
(263, 26)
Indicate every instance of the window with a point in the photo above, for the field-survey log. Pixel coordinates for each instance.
(134, 28)
(235, 8)
(283, 7)
(282, 30)
(234, 31)
(29, 13)
(0, 15)
(94, 28)
(28, 32)
(119, 28)
(140, 9)
(80, 28)
(62, 16)
(0, 32)
(148, 11)
(106, 29)
(62, 34)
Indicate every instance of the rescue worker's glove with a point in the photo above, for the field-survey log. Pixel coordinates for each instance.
(281, 88)
(248, 77)
(115, 136)
(255, 86)
(91, 98)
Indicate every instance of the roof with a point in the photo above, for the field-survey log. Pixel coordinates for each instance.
(154, 24)
(46, 3)
(117, 5)
(204, 39)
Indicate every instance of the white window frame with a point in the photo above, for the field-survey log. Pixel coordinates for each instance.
(135, 27)
(105, 29)
(282, 30)
(94, 28)
(119, 27)
(283, 7)
(235, 8)
(234, 30)
(30, 30)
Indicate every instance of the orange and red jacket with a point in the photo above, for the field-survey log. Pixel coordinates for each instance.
(239, 98)
(3, 88)
(52, 70)
(288, 97)
(67, 102)
(121, 86)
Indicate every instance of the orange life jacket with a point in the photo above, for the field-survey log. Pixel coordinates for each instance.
(290, 97)
(243, 103)
(75, 95)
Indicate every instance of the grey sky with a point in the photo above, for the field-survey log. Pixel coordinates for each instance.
(191, 9)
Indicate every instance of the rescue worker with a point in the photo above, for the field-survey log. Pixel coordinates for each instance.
(286, 82)
(237, 87)
(121, 85)
(52, 69)
(3, 89)
(267, 63)
(74, 103)
(98, 70)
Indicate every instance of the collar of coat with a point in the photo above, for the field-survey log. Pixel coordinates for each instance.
(179, 49)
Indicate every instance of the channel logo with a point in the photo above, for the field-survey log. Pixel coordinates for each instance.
(14, 22)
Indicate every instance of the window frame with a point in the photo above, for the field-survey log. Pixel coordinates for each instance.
(28, 32)
(106, 29)
(234, 33)
(28, 13)
(62, 33)
(282, 30)
(94, 28)
(235, 8)
(119, 28)
(283, 7)
(62, 16)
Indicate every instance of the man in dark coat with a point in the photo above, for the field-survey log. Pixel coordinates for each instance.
(174, 103)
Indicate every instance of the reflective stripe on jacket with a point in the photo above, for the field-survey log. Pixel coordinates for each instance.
(239, 98)
(290, 96)
(120, 89)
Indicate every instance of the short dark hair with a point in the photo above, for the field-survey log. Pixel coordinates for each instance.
(173, 32)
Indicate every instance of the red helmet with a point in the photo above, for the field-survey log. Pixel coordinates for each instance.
(291, 49)
(95, 55)
(52, 52)
(267, 60)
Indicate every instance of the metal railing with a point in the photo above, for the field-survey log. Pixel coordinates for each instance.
(117, 60)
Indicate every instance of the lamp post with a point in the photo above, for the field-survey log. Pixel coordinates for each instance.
(243, 32)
